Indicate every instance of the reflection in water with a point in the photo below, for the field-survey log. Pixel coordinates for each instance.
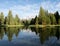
(57, 32)
(46, 32)
(9, 32)
(1, 33)
(43, 34)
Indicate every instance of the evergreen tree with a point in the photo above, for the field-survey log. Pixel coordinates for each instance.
(42, 16)
(1, 18)
(52, 18)
(48, 22)
(57, 16)
(32, 22)
(6, 21)
(17, 20)
(36, 20)
(10, 18)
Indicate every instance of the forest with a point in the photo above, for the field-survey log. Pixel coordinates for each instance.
(9, 19)
(43, 18)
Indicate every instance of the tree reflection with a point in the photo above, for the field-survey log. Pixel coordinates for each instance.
(46, 32)
(9, 31)
(17, 30)
(1, 32)
(57, 32)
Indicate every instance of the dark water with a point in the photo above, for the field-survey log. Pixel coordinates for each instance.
(48, 36)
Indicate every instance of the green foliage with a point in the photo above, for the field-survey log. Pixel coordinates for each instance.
(48, 20)
(44, 18)
(42, 12)
(57, 16)
(1, 18)
(17, 20)
(36, 20)
(52, 18)
(6, 21)
(26, 23)
(10, 18)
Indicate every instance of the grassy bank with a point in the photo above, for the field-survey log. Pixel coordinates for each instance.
(14, 25)
(11, 25)
(43, 25)
(29, 25)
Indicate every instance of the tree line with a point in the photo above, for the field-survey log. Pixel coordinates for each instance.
(9, 19)
(46, 18)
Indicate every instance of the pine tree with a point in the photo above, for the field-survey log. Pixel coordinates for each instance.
(10, 18)
(6, 21)
(42, 16)
(56, 14)
(17, 20)
(52, 18)
(1, 18)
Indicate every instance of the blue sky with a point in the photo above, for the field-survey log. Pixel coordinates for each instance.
(28, 8)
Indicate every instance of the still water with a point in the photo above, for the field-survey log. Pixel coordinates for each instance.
(48, 36)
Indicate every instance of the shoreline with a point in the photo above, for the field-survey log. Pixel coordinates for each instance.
(29, 25)
(43, 25)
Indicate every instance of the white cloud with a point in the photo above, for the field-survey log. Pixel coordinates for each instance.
(27, 11)
(51, 6)
(31, 10)
(24, 12)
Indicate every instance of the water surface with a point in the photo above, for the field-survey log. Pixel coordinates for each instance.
(48, 36)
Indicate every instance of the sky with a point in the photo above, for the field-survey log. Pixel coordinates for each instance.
(27, 9)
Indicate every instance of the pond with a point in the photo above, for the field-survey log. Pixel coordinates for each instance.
(22, 36)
